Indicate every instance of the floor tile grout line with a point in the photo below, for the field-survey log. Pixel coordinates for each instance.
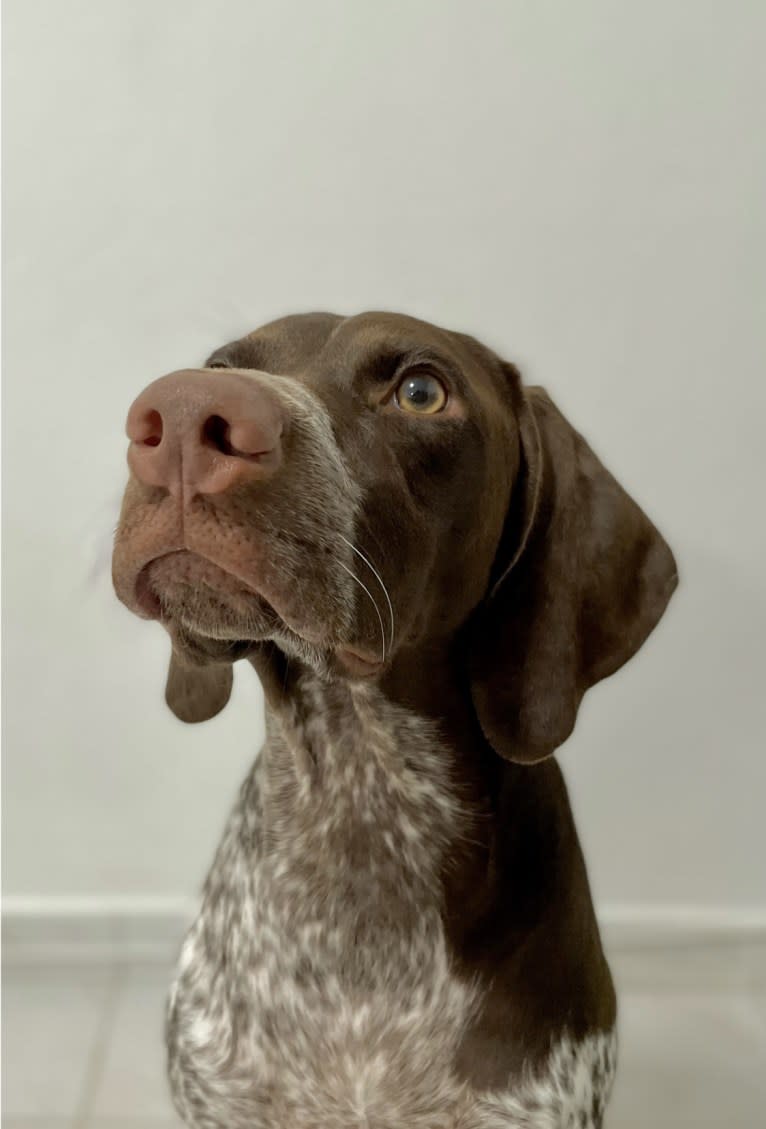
(97, 1058)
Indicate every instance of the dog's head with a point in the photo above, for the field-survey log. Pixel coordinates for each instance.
(344, 489)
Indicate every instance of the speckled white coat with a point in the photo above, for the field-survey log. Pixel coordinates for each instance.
(315, 990)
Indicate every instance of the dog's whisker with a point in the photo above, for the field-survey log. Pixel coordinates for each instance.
(374, 604)
(377, 576)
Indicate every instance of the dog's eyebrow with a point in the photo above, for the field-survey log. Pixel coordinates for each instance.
(384, 364)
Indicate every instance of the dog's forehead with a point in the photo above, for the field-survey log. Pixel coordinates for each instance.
(293, 344)
(285, 346)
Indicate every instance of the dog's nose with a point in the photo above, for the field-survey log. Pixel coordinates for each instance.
(203, 432)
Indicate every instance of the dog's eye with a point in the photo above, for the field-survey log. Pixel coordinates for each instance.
(421, 394)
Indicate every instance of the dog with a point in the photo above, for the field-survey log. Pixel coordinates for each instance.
(428, 567)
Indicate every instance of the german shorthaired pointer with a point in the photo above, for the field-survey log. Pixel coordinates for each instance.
(428, 567)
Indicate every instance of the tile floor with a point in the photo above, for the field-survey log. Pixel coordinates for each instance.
(82, 1049)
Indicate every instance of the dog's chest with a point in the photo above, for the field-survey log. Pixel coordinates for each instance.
(316, 990)
(317, 978)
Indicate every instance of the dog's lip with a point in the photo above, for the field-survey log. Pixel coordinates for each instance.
(354, 658)
(147, 600)
(147, 603)
(359, 662)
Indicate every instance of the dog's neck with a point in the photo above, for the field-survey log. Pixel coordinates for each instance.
(426, 683)
(337, 751)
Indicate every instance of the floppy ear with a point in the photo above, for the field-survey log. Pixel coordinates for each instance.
(197, 693)
(582, 578)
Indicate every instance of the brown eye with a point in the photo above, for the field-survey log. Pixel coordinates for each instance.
(421, 394)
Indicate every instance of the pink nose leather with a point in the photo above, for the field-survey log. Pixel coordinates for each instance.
(204, 432)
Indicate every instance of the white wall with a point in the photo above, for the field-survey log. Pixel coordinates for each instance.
(580, 184)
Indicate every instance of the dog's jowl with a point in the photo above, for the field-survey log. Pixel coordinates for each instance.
(428, 567)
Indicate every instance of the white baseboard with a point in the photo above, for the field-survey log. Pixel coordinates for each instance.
(666, 948)
(94, 930)
(650, 947)
(642, 925)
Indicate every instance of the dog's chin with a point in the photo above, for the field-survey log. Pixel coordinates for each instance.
(213, 616)
(196, 599)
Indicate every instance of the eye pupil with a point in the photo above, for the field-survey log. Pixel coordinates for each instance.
(418, 392)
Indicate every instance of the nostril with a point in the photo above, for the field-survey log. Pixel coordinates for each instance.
(242, 439)
(147, 430)
(216, 433)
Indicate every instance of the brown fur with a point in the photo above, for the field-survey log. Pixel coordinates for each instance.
(520, 574)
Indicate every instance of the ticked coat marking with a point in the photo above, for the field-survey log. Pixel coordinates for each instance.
(315, 990)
